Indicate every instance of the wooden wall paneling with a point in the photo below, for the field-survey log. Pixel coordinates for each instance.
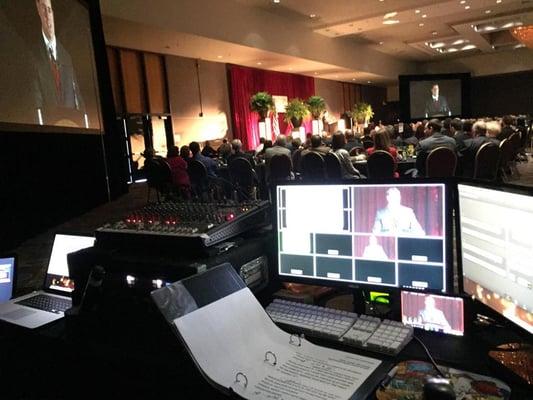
(156, 88)
(133, 82)
(116, 79)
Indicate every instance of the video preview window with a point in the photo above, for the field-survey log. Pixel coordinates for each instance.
(390, 235)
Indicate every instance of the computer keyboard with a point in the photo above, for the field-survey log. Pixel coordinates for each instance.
(47, 303)
(365, 332)
(310, 319)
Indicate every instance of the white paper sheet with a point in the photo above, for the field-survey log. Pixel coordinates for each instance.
(233, 334)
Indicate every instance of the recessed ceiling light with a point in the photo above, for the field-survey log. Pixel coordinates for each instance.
(434, 33)
(417, 11)
(259, 63)
(424, 16)
(460, 41)
(462, 2)
(467, 7)
(390, 15)
(498, 1)
(452, 50)
(276, 1)
(219, 56)
(468, 47)
(316, 73)
(380, 42)
(369, 82)
(312, 15)
(391, 21)
(488, 11)
(421, 24)
(353, 79)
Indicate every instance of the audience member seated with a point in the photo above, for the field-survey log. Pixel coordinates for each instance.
(382, 142)
(224, 151)
(296, 144)
(435, 138)
(420, 131)
(409, 137)
(208, 151)
(367, 134)
(447, 127)
(280, 147)
(338, 143)
(237, 152)
(462, 134)
(507, 127)
(471, 147)
(185, 153)
(178, 168)
(317, 146)
(259, 148)
(266, 145)
(326, 139)
(210, 164)
(351, 141)
(494, 129)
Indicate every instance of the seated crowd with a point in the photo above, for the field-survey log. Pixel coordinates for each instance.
(463, 137)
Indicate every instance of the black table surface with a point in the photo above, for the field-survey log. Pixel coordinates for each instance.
(145, 359)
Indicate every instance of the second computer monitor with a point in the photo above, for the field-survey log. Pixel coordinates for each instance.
(391, 235)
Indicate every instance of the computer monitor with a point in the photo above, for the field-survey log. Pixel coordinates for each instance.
(7, 277)
(386, 235)
(497, 250)
(433, 312)
(57, 275)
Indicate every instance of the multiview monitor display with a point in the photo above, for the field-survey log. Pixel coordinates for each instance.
(387, 235)
(497, 251)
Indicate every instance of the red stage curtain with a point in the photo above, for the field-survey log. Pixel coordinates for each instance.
(244, 82)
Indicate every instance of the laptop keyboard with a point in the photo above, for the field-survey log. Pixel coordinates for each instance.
(47, 303)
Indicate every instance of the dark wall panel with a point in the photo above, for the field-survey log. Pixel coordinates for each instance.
(502, 94)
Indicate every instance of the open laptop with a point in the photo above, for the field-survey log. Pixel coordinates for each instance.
(44, 306)
(8, 269)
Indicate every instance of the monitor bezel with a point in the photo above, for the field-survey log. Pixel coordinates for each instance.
(15, 272)
(448, 234)
(477, 304)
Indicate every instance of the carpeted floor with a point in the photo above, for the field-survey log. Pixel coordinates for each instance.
(33, 255)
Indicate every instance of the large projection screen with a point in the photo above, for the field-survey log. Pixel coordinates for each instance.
(48, 74)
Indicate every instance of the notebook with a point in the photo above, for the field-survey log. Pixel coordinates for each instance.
(49, 304)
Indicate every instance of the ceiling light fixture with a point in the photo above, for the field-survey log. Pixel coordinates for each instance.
(434, 33)
(462, 2)
(369, 82)
(312, 15)
(467, 7)
(424, 16)
(468, 47)
(390, 15)
(452, 50)
(259, 63)
(276, 1)
(219, 56)
(421, 24)
(524, 34)
(498, 1)
(391, 21)
(488, 11)
(380, 43)
(460, 41)
(417, 11)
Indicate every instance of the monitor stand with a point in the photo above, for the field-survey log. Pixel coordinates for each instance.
(517, 358)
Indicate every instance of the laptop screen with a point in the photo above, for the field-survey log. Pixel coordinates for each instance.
(7, 273)
(57, 275)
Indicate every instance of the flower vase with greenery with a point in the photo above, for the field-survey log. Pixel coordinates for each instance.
(295, 112)
(316, 106)
(262, 103)
(362, 112)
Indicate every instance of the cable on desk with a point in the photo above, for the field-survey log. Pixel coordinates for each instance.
(430, 357)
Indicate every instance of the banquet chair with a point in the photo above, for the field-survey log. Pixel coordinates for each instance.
(441, 162)
(280, 168)
(487, 162)
(199, 180)
(507, 155)
(243, 179)
(380, 164)
(313, 167)
(333, 166)
(158, 177)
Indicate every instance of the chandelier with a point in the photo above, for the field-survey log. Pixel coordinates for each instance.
(524, 34)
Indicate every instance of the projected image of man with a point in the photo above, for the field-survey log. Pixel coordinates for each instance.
(396, 218)
(374, 250)
(437, 105)
(56, 84)
(433, 318)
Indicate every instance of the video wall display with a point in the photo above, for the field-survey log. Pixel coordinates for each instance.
(390, 235)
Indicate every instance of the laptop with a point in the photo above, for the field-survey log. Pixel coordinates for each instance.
(8, 265)
(44, 306)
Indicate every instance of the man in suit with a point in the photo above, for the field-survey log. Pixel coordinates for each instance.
(471, 147)
(279, 148)
(210, 164)
(317, 146)
(434, 138)
(396, 219)
(236, 146)
(56, 84)
(507, 127)
(437, 105)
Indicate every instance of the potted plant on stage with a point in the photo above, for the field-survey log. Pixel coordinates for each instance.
(317, 106)
(295, 113)
(262, 103)
(361, 113)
